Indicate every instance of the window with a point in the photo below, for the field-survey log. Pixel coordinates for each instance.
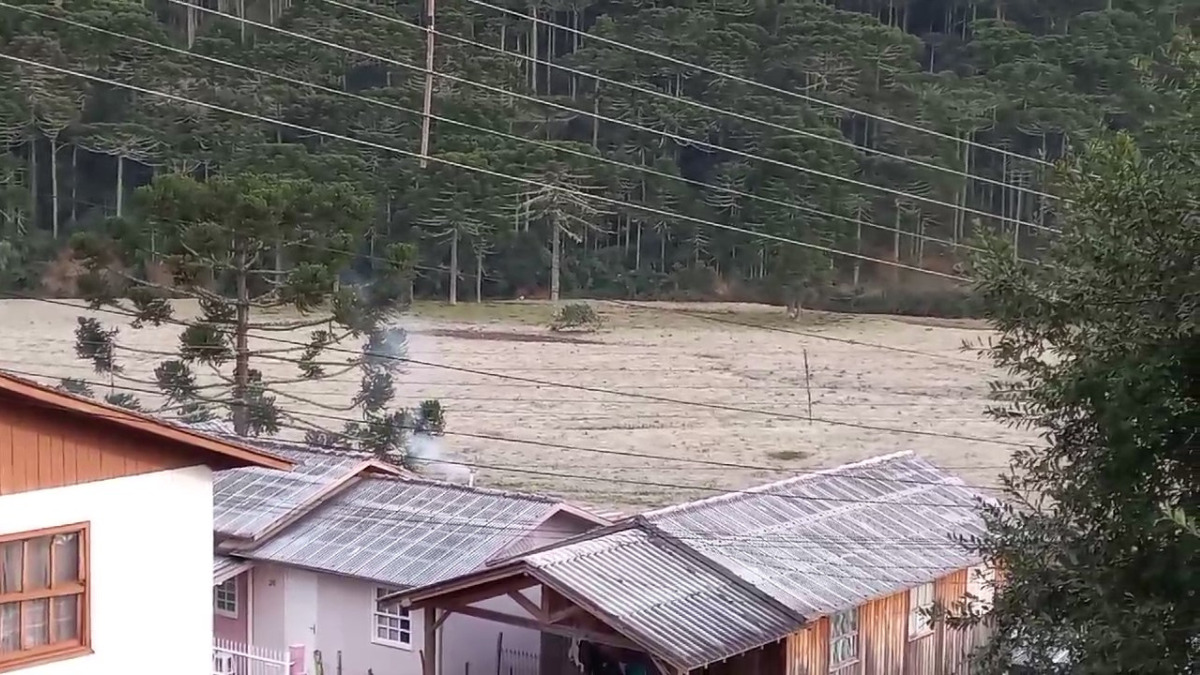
(920, 611)
(843, 639)
(392, 625)
(225, 598)
(43, 596)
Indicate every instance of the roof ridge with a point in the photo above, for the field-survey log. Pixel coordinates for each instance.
(499, 492)
(790, 480)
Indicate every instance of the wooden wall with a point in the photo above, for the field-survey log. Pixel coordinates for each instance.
(884, 647)
(44, 448)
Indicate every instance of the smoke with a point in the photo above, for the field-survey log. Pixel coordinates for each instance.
(430, 459)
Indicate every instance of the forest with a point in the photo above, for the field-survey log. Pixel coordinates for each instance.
(637, 149)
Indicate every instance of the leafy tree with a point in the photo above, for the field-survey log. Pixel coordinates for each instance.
(221, 241)
(1103, 345)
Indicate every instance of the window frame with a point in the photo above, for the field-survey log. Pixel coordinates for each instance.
(920, 625)
(80, 589)
(852, 636)
(233, 596)
(404, 618)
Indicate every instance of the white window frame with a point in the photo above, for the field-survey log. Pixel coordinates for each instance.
(920, 607)
(402, 616)
(838, 632)
(230, 589)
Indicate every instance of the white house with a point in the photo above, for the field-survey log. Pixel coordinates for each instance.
(105, 536)
(303, 556)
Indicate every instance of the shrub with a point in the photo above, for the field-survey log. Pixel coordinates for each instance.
(576, 316)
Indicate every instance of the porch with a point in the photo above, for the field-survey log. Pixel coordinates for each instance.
(595, 619)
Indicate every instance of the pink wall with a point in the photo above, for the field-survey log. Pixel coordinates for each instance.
(227, 628)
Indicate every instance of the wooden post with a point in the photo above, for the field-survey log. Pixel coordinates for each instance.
(429, 654)
(808, 386)
(429, 43)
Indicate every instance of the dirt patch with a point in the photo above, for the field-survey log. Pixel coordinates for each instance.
(508, 336)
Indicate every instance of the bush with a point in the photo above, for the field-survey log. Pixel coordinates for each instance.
(576, 316)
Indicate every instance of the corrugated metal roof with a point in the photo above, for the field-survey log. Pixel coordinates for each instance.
(832, 540)
(406, 532)
(667, 599)
(225, 567)
(710, 579)
(247, 502)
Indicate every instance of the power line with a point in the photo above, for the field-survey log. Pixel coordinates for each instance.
(536, 472)
(634, 395)
(712, 146)
(494, 132)
(527, 181)
(816, 336)
(696, 104)
(743, 80)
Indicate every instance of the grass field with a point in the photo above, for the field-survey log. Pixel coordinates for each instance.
(690, 352)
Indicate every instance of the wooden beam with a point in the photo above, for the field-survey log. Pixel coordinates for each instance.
(532, 624)
(429, 653)
(562, 614)
(473, 594)
(528, 605)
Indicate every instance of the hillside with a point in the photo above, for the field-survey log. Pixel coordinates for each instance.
(659, 154)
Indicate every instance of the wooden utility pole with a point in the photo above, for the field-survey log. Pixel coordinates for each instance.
(429, 40)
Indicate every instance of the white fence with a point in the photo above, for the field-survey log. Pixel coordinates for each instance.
(235, 658)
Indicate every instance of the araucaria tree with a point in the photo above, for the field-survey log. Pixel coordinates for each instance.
(246, 248)
(1103, 344)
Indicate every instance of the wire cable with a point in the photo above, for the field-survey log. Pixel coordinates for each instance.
(433, 158)
(628, 394)
(632, 125)
(501, 134)
(689, 102)
(538, 472)
(747, 81)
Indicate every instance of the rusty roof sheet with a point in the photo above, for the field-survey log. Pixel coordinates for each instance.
(669, 601)
(831, 540)
(406, 532)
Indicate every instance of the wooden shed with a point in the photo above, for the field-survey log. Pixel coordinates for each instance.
(835, 571)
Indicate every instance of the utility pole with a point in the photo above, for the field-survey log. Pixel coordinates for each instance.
(425, 121)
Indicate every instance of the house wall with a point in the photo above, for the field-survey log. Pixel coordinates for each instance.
(235, 628)
(329, 614)
(42, 448)
(150, 564)
(884, 647)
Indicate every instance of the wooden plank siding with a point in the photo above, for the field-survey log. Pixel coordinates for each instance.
(42, 448)
(883, 644)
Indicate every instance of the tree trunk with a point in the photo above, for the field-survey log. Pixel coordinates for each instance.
(896, 249)
(858, 248)
(120, 186)
(74, 182)
(478, 277)
(533, 49)
(555, 259)
(54, 188)
(241, 374)
(454, 267)
(637, 252)
(33, 179)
